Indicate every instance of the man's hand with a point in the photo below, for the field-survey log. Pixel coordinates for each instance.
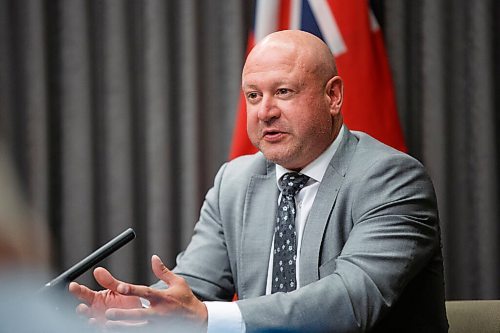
(120, 306)
(95, 303)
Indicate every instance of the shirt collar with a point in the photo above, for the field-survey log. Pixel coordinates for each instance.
(317, 168)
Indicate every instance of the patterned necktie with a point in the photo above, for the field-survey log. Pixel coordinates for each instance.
(285, 236)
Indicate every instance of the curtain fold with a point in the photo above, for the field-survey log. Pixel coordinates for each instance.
(443, 57)
(118, 114)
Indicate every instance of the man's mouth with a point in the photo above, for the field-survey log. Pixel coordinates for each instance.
(272, 135)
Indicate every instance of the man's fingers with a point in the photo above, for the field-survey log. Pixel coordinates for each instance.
(122, 326)
(123, 319)
(128, 314)
(105, 279)
(134, 290)
(153, 295)
(81, 292)
(127, 289)
(162, 272)
(84, 310)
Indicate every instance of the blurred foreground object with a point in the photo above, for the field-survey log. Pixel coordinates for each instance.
(22, 241)
(24, 248)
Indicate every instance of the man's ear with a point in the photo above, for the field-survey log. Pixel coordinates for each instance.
(335, 93)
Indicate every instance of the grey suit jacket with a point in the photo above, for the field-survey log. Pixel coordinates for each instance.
(371, 255)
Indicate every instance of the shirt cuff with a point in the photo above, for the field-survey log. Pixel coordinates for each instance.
(224, 317)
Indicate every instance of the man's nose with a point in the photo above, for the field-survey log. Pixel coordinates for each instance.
(268, 109)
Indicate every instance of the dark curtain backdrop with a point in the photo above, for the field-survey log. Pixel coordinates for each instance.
(118, 113)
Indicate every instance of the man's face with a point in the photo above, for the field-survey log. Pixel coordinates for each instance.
(288, 109)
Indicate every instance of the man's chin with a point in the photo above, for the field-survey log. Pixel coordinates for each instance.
(276, 156)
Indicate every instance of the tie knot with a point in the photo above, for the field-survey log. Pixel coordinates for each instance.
(292, 182)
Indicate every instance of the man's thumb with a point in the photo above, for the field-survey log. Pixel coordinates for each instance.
(161, 271)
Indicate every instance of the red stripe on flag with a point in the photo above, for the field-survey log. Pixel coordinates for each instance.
(241, 144)
(284, 15)
(369, 101)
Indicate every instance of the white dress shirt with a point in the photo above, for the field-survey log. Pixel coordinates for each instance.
(226, 317)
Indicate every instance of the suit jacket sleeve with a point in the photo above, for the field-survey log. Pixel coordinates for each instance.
(205, 263)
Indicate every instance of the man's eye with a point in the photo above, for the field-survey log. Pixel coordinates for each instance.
(283, 91)
(252, 95)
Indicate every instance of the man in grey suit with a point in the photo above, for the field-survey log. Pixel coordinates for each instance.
(360, 237)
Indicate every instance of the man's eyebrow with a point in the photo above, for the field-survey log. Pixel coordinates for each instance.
(249, 86)
(275, 84)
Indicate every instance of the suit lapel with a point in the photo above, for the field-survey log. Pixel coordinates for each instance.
(258, 224)
(322, 208)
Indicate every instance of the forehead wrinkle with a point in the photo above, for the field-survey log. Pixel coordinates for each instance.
(294, 83)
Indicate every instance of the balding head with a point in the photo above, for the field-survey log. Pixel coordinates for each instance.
(309, 52)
